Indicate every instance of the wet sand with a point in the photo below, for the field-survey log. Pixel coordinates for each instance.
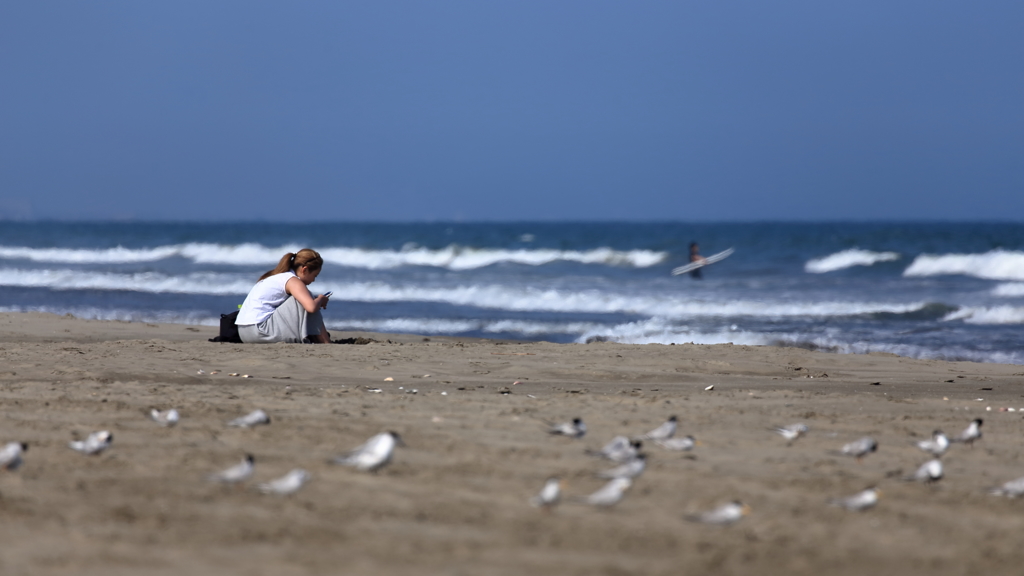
(455, 499)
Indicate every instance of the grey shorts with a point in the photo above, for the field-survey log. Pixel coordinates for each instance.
(289, 323)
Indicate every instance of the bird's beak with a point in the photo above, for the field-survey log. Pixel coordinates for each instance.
(698, 443)
(745, 510)
(878, 493)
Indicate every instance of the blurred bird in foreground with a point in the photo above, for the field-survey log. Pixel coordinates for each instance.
(287, 484)
(10, 455)
(1011, 489)
(724, 514)
(238, 473)
(374, 454)
(574, 429)
(860, 501)
(94, 444)
(549, 495)
(619, 449)
(936, 445)
(971, 433)
(167, 418)
(663, 432)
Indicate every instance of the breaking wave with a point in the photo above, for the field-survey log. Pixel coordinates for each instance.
(848, 259)
(988, 315)
(661, 331)
(1009, 289)
(492, 296)
(250, 254)
(993, 265)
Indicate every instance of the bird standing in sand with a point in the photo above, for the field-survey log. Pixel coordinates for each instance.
(724, 514)
(662, 432)
(167, 418)
(254, 418)
(549, 495)
(860, 448)
(684, 444)
(860, 501)
(971, 433)
(238, 473)
(374, 454)
(929, 472)
(94, 444)
(936, 445)
(791, 432)
(619, 449)
(10, 455)
(610, 494)
(631, 469)
(287, 484)
(1011, 489)
(574, 429)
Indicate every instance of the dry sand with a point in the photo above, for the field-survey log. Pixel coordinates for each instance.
(454, 501)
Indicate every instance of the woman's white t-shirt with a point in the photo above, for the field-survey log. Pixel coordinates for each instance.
(263, 299)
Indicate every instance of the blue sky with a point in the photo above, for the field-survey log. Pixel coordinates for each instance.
(479, 110)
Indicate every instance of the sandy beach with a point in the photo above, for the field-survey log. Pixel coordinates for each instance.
(455, 498)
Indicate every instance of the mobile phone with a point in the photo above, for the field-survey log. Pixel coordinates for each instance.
(328, 294)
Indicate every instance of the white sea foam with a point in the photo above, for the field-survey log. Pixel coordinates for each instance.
(155, 282)
(448, 326)
(249, 254)
(1009, 289)
(662, 331)
(492, 296)
(847, 259)
(988, 315)
(93, 313)
(993, 265)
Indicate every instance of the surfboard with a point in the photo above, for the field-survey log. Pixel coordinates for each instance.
(709, 260)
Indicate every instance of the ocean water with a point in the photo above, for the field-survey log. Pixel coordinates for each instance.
(946, 291)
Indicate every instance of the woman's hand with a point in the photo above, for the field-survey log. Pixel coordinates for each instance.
(321, 301)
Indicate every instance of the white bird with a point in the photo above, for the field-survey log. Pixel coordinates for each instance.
(167, 418)
(860, 448)
(287, 484)
(860, 501)
(549, 495)
(930, 471)
(971, 433)
(574, 429)
(610, 494)
(1011, 489)
(663, 432)
(254, 418)
(238, 473)
(631, 469)
(724, 514)
(684, 444)
(619, 449)
(791, 432)
(94, 444)
(10, 455)
(936, 446)
(372, 455)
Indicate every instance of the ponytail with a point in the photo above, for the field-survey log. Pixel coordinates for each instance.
(293, 261)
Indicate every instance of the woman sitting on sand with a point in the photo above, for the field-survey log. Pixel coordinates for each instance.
(280, 308)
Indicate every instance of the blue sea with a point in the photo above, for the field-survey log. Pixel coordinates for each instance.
(950, 291)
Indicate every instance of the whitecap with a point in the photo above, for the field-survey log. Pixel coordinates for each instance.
(993, 265)
(452, 257)
(1009, 289)
(847, 259)
(988, 315)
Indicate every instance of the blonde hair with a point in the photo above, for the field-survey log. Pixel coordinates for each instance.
(293, 261)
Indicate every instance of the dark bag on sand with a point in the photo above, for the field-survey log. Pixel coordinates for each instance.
(228, 329)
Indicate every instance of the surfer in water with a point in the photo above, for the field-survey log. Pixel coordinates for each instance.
(695, 257)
